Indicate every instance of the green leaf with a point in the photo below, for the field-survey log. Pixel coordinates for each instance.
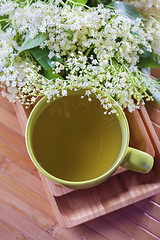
(3, 20)
(146, 71)
(158, 80)
(19, 1)
(126, 9)
(51, 75)
(92, 3)
(148, 59)
(41, 56)
(106, 2)
(30, 43)
(80, 1)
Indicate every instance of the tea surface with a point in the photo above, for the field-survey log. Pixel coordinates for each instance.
(73, 139)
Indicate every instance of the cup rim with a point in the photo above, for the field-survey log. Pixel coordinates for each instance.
(75, 184)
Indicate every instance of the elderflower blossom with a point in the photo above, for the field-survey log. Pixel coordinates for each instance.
(20, 79)
(153, 27)
(120, 87)
(151, 10)
(72, 30)
(7, 46)
(96, 48)
(7, 7)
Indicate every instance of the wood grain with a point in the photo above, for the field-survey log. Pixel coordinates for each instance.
(24, 217)
(128, 227)
(10, 232)
(68, 205)
(9, 120)
(145, 221)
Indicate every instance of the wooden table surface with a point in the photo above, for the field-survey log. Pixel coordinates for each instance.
(25, 212)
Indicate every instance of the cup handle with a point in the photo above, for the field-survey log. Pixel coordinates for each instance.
(137, 161)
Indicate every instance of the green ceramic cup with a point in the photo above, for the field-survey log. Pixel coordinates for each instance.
(129, 158)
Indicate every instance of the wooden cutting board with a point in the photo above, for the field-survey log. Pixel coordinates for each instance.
(73, 207)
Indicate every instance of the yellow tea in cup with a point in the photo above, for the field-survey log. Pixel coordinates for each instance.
(73, 140)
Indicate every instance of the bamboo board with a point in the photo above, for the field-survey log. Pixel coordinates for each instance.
(73, 207)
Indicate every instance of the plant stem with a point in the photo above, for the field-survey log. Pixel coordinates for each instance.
(4, 20)
(88, 51)
(50, 2)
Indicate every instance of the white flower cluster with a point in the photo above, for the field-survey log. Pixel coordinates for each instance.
(7, 7)
(76, 29)
(23, 82)
(19, 80)
(111, 79)
(98, 48)
(150, 8)
(7, 47)
(153, 27)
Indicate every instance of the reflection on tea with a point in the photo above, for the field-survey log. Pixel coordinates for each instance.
(74, 140)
